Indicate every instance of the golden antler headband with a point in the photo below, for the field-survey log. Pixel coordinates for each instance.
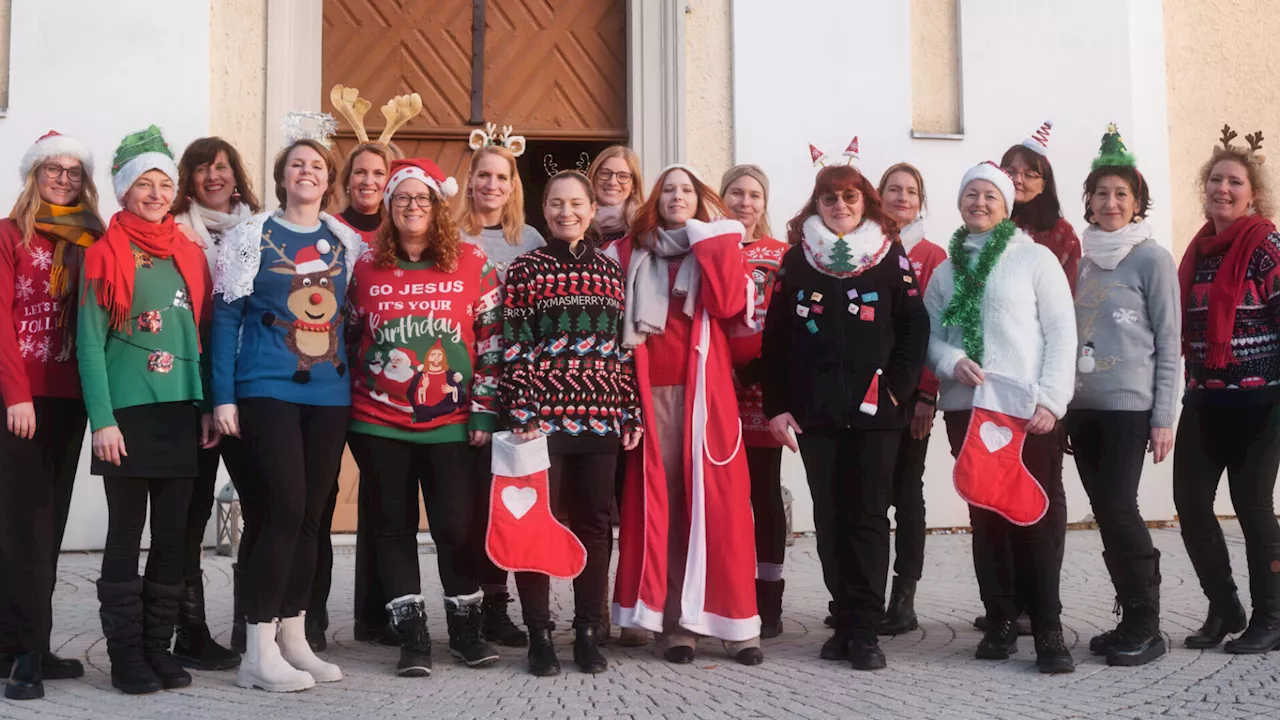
(491, 135)
(398, 111)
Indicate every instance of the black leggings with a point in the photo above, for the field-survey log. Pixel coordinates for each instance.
(908, 506)
(765, 467)
(127, 513)
(1244, 441)
(393, 471)
(36, 478)
(294, 453)
(1110, 447)
(229, 450)
(584, 486)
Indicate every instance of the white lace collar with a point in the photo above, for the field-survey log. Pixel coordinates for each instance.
(241, 252)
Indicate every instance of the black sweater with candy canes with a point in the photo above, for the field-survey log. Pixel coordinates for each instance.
(566, 371)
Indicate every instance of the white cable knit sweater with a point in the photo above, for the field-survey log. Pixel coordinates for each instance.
(1028, 323)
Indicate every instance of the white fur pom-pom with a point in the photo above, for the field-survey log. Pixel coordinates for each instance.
(323, 247)
(449, 188)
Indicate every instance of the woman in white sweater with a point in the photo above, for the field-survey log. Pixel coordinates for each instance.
(1024, 328)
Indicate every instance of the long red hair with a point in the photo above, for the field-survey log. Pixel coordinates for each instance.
(648, 219)
(836, 179)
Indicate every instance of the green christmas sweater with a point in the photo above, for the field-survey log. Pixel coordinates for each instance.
(156, 359)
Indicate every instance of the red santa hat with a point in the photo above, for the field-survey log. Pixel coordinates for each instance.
(1039, 140)
(819, 158)
(871, 401)
(851, 152)
(993, 174)
(419, 169)
(51, 145)
(308, 261)
(407, 353)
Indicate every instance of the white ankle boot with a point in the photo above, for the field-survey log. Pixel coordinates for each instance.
(297, 651)
(263, 666)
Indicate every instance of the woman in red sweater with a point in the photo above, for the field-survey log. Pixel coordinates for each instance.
(42, 247)
(1035, 208)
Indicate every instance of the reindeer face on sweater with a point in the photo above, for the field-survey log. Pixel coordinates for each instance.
(311, 296)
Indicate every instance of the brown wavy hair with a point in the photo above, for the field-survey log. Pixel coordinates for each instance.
(710, 206)
(388, 153)
(837, 179)
(204, 151)
(282, 160)
(444, 242)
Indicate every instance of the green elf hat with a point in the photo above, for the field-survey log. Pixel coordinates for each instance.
(138, 153)
(1113, 153)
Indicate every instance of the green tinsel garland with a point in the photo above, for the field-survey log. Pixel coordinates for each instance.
(965, 308)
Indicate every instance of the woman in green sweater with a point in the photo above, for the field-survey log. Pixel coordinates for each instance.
(144, 302)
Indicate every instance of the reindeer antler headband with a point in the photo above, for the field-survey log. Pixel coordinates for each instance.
(1254, 140)
(491, 135)
(398, 111)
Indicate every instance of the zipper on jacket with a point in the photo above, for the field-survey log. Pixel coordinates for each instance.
(844, 390)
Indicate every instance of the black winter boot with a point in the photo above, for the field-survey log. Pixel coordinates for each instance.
(999, 640)
(465, 619)
(121, 614)
(1052, 655)
(865, 654)
(498, 626)
(900, 617)
(586, 651)
(769, 601)
(26, 681)
(1137, 640)
(238, 622)
(1226, 616)
(193, 646)
(542, 653)
(1099, 644)
(161, 606)
(409, 617)
(1263, 633)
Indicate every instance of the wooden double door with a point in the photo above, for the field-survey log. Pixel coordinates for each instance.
(554, 70)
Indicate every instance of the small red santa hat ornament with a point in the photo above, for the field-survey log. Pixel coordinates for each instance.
(308, 261)
(871, 401)
(819, 157)
(51, 145)
(851, 152)
(1039, 140)
(419, 169)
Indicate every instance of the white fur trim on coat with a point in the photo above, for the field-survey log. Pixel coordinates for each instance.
(513, 457)
(241, 253)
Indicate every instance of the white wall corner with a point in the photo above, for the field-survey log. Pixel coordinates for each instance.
(656, 82)
(294, 51)
(1148, 139)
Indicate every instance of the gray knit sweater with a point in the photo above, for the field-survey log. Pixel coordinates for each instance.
(500, 253)
(1128, 322)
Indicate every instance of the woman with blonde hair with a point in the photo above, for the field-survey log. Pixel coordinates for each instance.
(42, 246)
(361, 184)
(619, 191)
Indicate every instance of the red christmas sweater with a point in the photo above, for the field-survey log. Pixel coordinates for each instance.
(426, 348)
(925, 257)
(1062, 241)
(763, 258)
(36, 352)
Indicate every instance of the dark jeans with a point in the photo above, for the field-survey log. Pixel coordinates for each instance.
(370, 600)
(1020, 567)
(231, 451)
(908, 504)
(322, 577)
(765, 467)
(1244, 441)
(850, 475)
(127, 500)
(394, 470)
(295, 452)
(491, 576)
(36, 479)
(585, 491)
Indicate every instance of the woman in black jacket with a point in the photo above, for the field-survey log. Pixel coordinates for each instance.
(844, 343)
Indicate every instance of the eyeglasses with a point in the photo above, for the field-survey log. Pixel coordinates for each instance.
(623, 177)
(53, 171)
(402, 201)
(849, 197)
(1026, 174)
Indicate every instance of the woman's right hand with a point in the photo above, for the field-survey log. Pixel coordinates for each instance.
(226, 418)
(22, 420)
(532, 433)
(968, 372)
(780, 426)
(108, 445)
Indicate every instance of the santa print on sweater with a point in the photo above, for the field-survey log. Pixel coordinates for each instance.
(426, 346)
(763, 258)
(36, 358)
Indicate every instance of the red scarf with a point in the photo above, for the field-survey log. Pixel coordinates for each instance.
(1239, 241)
(109, 265)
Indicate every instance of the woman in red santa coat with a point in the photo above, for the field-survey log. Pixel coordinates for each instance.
(686, 563)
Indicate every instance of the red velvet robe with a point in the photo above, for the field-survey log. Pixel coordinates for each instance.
(719, 589)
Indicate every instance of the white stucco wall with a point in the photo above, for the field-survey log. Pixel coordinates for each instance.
(118, 66)
(846, 71)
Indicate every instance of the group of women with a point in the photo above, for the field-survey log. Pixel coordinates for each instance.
(668, 347)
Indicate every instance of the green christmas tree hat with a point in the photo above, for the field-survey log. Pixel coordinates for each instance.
(138, 153)
(1113, 153)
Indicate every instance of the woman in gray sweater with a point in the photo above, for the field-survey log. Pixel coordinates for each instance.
(1127, 317)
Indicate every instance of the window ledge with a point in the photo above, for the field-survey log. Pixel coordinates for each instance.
(918, 135)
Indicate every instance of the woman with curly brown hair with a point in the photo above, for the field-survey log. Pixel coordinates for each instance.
(425, 329)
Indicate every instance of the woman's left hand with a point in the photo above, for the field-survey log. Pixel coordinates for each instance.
(210, 435)
(1161, 443)
(532, 433)
(1043, 422)
(631, 438)
(479, 438)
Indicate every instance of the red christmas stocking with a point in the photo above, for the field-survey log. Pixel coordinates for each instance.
(523, 535)
(989, 472)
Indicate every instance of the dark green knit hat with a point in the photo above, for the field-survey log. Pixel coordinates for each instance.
(1113, 153)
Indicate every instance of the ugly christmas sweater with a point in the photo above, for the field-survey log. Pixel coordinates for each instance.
(427, 348)
(1062, 242)
(36, 357)
(1253, 377)
(763, 258)
(924, 257)
(566, 372)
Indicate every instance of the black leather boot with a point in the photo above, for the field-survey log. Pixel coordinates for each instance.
(900, 617)
(498, 626)
(161, 612)
(836, 647)
(586, 651)
(865, 654)
(542, 653)
(238, 623)
(769, 601)
(26, 681)
(999, 641)
(1052, 655)
(465, 618)
(193, 646)
(121, 614)
(1099, 644)
(1226, 616)
(1137, 640)
(1263, 633)
(409, 617)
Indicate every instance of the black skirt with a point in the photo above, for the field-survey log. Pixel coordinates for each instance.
(163, 442)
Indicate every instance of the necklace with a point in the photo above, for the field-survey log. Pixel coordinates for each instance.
(965, 308)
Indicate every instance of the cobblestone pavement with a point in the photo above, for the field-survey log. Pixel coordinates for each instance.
(931, 673)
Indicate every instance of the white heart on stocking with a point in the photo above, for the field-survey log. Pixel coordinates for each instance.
(519, 500)
(993, 436)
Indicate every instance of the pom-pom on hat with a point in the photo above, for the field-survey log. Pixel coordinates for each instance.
(419, 169)
(992, 173)
(1039, 140)
(51, 145)
(1112, 152)
(138, 153)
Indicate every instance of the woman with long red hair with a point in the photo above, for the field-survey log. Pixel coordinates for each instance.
(686, 565)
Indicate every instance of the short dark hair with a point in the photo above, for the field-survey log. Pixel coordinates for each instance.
(1137, 185)
(202, 152)
(1043, 211)
(282, 159)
